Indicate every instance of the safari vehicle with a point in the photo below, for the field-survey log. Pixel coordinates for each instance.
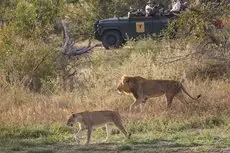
(114, 31)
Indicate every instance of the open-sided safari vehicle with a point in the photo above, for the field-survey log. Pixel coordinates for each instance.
(114, 31)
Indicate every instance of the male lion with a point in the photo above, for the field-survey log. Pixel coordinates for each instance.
(89, 120)
(142, 89)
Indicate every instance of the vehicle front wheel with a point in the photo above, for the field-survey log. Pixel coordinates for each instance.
(112, 39)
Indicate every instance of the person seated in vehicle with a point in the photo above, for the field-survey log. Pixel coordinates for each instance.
(176, 6)
(149, 9)
(160, 9)
(135, 12)
(131, 11)
(184, 5)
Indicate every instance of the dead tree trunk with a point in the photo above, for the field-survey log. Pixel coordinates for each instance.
(69, 49)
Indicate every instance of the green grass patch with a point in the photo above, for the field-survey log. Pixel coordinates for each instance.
(124, 147)
(40, 151)
(155, 135)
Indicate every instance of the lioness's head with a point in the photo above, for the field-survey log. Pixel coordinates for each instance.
(124, 85)
(73, 119)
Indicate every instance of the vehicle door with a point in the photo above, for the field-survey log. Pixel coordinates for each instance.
(139, 26)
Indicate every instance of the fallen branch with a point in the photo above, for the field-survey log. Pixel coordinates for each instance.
(179, 58)
(74, 51)
(69, 47)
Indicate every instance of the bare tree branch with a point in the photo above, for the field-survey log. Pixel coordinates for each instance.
(72, 74)
(179, 58)
(75, 51)
(69, 47)
(42, 60)
(66, 37)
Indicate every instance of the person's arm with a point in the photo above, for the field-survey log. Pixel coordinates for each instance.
(176, 7)
(148, 8)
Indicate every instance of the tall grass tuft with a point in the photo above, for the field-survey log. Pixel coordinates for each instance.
(98, 76)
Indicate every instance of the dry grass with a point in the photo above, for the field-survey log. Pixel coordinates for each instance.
(97, 79)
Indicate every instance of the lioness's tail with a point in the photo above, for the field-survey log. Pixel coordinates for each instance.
(182, 87)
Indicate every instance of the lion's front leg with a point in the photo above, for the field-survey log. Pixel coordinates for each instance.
(140, 99)
(135, 104)
(142, 106)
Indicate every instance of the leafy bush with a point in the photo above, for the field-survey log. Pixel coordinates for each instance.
(198, 22)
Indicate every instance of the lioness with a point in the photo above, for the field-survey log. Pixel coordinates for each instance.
(142, 89)
(88, 120)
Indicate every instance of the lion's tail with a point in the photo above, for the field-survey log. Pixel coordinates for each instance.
(198, 96)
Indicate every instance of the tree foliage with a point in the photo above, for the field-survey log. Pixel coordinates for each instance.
(26, 37)
(200, 21)
(28, 32)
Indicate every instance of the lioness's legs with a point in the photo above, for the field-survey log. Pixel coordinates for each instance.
(169, 97)
(108, 130)
(120, 127)
(77, 134)
(89, 134)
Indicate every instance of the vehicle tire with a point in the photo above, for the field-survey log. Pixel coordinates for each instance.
(111, 39)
